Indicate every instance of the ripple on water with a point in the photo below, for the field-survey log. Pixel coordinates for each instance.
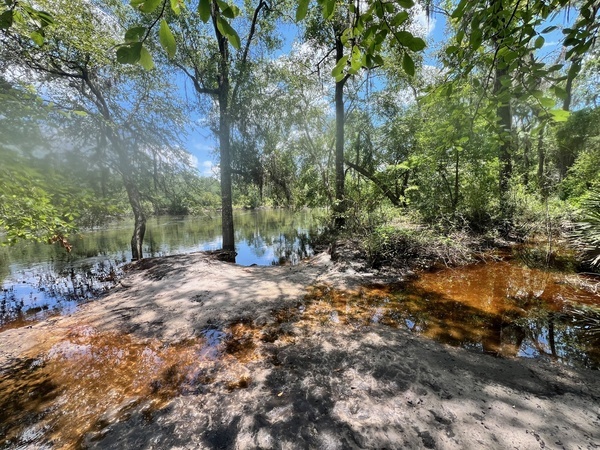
(92, 379)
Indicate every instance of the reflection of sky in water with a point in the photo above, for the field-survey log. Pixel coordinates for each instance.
(39, 279)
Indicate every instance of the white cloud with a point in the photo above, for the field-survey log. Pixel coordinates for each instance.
(421, 25)
(192, 160)
(550, 44)
(208, 169)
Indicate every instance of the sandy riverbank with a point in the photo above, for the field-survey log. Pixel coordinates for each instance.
(271, 377)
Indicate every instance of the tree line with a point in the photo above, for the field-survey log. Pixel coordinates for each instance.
(494, 127)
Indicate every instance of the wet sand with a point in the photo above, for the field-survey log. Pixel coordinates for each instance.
(191, 352)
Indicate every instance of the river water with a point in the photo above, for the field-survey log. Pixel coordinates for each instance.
(40, 280)
(518, 303)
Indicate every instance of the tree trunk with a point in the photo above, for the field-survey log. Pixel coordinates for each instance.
(394, 198)
(504, 114)
(340, 201)
(456, 181)
(225, 154)
(541, 175)
(224, 139)
(139, 229)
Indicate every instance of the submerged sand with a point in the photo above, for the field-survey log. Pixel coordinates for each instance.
(282, 380)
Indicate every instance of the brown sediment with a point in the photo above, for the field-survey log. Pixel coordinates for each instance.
(212, 355)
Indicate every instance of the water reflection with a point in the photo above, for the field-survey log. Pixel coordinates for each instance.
(90, 380)
(39, 280)
(500, 308)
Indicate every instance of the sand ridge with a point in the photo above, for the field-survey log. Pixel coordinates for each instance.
(302, 384)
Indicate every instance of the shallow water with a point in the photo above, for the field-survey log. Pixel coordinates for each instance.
(503, 308)
(42, 280)
(90, 380)
(69, 395)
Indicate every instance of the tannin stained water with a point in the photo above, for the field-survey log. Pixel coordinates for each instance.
(500, 307)
(69, 394)
(89, 380)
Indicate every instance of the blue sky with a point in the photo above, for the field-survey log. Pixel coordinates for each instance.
(201, 143)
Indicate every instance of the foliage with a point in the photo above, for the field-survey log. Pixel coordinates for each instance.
(34, 206)
(577, 154)
(411, 244)
(490, 141)
(587, 231)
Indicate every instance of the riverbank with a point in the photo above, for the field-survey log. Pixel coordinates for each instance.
(192, 352)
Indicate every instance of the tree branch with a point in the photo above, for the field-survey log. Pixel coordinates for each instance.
(395, 199)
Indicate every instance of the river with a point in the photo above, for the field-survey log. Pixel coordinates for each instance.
(40, 280)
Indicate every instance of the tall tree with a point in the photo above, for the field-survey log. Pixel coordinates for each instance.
(208, 50)
(75, 70)
(355, 32)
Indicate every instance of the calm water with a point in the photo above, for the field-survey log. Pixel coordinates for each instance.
(509, 307)
(39, 280)
(514, 306)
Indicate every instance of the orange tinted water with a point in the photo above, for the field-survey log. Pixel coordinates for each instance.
(501, 308)
(90, 380)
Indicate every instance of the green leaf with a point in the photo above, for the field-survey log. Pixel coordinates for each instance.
(146, 59)
(44, 18)
(229, 11)
(537, 93)
(560, 92)
(408, 65)
(539, 42)
(6, 20)
(135, 34)
(339, 67)
(547, 102)
(149, 5)
(476, 39)
(37, 37)
(328, 8)
(357, 60)
(416, 44)
(406, 3)
(302, 10)
(559, 115)
(452, 49)
(129, 54)
(176, 6)
(399, 19)
(549, 29)
(166, 38)
(458, 12)
(204, 10)
(227, 31)
(80, 113)
(404, 37)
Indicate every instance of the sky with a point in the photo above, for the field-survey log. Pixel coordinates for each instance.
(201, 143)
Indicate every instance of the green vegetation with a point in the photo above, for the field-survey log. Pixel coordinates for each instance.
(493, 130)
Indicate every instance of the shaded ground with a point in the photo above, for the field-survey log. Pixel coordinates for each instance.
(222, 356)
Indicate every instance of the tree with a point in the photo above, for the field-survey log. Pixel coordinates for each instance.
(356, 33)
(219, 78)
(76, 72)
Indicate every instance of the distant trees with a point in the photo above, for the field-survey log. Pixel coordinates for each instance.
(349, 113)
(126, 120)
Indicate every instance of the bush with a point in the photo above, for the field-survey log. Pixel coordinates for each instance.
(587, 230)
(415, 245)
